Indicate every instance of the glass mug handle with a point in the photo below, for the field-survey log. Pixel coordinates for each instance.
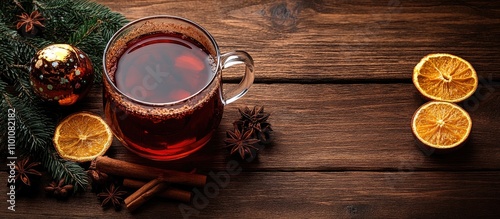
(233, 58)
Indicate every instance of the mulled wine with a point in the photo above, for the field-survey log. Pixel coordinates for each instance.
(162, 68)
(162, 93)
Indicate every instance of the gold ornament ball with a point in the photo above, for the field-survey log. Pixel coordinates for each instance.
(61, 73)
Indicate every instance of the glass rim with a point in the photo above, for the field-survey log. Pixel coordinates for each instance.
(126, 26)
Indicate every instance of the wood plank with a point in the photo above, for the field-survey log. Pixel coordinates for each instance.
(307, 195)
(311, 41)
(342, 127)
(334, 75)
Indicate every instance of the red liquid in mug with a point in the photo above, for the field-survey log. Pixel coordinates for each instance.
(162, 68)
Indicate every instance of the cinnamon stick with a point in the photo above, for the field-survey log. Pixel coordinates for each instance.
(131, 170)
(145, 193)
(169, 193)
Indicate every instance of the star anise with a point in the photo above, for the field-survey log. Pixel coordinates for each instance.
(59, 189)
(256, 119)
(24, 168)
(241, 141)
(30, 24)
(112, 196)
(98, 178)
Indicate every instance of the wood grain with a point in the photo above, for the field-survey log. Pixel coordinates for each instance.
(324, 41)
(335, 76)
(404, 194)
(342, 127)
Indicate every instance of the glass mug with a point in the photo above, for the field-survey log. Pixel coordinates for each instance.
(163, 95)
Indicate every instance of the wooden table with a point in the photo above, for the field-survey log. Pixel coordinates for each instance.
(336, 77)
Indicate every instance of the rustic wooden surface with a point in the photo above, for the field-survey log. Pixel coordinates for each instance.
(335, 76)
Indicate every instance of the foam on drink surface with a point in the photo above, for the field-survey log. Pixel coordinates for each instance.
(161, 69)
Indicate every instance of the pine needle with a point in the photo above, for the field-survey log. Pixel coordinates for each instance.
(85, 24)
(59, 168)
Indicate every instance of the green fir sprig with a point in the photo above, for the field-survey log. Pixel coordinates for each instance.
(81, 23)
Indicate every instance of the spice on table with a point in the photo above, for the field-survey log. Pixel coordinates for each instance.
(30, 24)
(112, 196)
(251, 128)
(98, 176)
(256, 119)
(145, 193)
(59, 189)
(98, 179)
(130, 170)
(241, 141)
(169, 193)
(24, 168)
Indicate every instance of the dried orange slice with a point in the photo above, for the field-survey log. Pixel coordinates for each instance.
(82, 136)
(441, 125)
(445, 77)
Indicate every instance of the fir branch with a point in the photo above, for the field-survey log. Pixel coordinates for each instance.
(112, 21)
(18, 4)
(12, 35)
(24, 67)
(59, 168)
(97, 70)
(33, 132)
(24, 51)
(84, 31)
(9, 75)
(23, 89)
(6, 32)
(39, 42)
(6, 57)
(50, 5)
(6, 48)
(87, 25)
(3, 117)
(3, 86)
